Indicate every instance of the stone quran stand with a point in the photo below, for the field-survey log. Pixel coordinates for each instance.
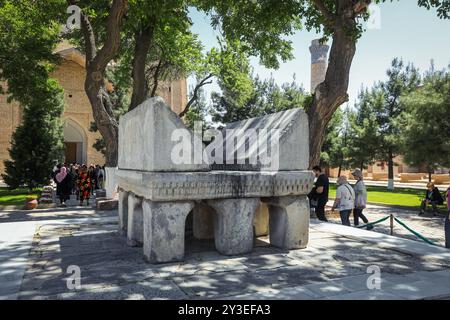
(230, 203)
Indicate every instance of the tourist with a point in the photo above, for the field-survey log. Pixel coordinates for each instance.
(345, 200)
(447, 221)
(76, 176)
(100, 177)
(360, 199)
(433, 197)
(319, 194)
(84, 185)
(63, 180)
(93, 178)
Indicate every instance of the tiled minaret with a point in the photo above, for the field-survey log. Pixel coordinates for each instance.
(319, 62)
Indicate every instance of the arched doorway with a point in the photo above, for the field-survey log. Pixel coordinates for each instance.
(75, 141)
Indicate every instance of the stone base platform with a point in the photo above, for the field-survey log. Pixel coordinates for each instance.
(153, 207)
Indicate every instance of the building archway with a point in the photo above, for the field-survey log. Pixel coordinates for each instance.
(75, 141)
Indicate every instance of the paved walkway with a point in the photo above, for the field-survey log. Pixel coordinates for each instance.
(429, 226)
(36, 256)
(17, 231)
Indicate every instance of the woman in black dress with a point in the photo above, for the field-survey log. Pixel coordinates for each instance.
(64, 185)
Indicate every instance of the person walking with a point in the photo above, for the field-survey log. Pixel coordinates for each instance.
(84, 185)
(318, 196)
(360, 199)
(433, 197)
(93, 178)
(100, 177)
(63, 180)
(345, 200)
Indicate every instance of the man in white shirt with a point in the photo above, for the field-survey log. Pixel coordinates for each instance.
(345, 200)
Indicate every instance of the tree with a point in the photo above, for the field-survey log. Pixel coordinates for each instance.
(127, 33)
(402, 80)
(426, 134)
(340, 20)
(27, 40)
(331, 156)
(265, 97)
(198, 109)
(364, 137)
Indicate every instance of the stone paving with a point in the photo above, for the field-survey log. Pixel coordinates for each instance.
(432, 227)
(334, 266)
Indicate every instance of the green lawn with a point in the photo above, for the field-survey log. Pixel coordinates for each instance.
(399, 197)
(16, 197)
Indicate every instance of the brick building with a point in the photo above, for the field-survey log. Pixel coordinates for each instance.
(77, 116)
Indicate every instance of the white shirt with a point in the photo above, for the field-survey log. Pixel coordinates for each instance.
(347, 197)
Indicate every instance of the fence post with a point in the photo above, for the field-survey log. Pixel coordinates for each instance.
(392, 224)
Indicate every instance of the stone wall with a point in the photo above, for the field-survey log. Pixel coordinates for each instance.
(77, 107)
(10, 117)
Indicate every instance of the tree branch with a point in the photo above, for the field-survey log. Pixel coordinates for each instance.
(360, 6)
(112, 40)
(195, 95)
(328, 15)
(156, 77)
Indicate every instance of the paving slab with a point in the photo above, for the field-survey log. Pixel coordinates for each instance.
(334, 266)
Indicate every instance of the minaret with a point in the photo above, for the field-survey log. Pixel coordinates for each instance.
(319, 62)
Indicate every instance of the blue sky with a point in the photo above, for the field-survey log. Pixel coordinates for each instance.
(406, 30)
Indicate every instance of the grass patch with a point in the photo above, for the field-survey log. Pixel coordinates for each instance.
(17, 197)
(399, 197)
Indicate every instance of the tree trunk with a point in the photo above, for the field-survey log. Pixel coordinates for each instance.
(106, 122)
(143, 40)
(96, 63)
(339, 171)
(390, 171)
(331, 93)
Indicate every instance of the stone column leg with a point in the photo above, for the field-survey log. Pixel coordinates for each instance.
(203, 221)
(123, 211)
(289, 222)
(233, 224)
(261, 221)
(164, 225)
(135, 230)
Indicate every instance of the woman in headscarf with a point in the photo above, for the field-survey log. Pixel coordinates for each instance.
(361, 199)
(345, 200)
(63, 181)
(84, 185)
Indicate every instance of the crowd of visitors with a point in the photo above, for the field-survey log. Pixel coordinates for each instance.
(79, 180)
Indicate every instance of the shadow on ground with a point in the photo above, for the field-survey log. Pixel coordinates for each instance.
(112, 270)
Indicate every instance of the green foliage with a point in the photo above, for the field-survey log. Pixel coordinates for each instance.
(332, 154)
(365, 136)
(426, 133)
(377, 126)
(198, 110)
(266, 97)
(38, 141)
(27, 39)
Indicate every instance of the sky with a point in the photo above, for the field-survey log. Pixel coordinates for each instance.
(401, 29)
